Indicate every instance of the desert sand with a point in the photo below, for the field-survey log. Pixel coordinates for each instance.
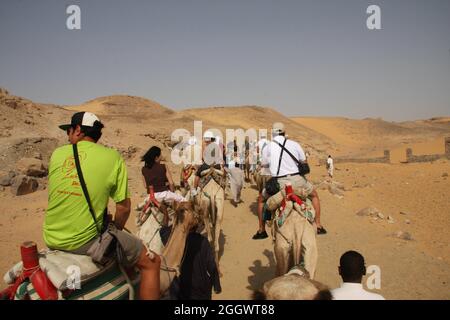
(415, 196)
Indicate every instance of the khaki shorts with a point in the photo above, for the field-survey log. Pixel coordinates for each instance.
(261, 181)
(131, 245)
(301, 186)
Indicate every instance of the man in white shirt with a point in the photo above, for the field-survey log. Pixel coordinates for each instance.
(330, 166)
(285, 168)
(352, 269)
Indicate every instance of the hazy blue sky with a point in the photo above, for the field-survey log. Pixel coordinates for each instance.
(301, 57)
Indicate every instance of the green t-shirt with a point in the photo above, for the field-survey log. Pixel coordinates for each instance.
(68, 223)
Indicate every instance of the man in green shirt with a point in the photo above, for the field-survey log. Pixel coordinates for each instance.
(69, 225)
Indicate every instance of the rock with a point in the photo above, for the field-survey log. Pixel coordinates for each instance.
(31, 167)
(5, 179)
(380, 215)
(402, 212)
(369, 211)
(445, 174)
(390, 219)
(333, 189)
(23, 184)
(407, 221)
(37, 155)
(323, 185)
(403, 235)
(3, 92)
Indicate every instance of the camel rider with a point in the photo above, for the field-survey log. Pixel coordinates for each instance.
(69, 224)
(157, 176)
(247, 159)
(263, 176)
(285, 168)
(212, 158)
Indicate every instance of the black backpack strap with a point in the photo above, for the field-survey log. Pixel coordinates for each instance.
(288, 152)
(83, 185)
(281, 154)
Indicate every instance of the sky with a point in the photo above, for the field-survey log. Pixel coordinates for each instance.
(303, 58)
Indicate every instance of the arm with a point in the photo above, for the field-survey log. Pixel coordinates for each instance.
(145, 184)
(196, 181)
(123, 209)
(169, 178)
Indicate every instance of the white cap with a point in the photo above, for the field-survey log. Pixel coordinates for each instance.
(278, 127)
(208, 135)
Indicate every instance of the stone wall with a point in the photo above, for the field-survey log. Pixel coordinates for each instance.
(410, 157)
(385, 159)
(447, 147)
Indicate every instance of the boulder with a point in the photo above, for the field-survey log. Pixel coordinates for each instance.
(37, 155)
(31, 167)
(5, 178)
(23, 184)
(333, 189)
(368, 211)
(403, 235)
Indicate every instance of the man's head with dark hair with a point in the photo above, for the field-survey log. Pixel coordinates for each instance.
(83, 124)
(352, 267)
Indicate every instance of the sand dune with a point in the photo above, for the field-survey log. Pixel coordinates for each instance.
(369, 137)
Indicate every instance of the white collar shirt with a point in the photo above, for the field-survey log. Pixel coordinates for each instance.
(287, 165)
(354, 291)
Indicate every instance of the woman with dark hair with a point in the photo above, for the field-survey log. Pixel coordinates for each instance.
(157, 177)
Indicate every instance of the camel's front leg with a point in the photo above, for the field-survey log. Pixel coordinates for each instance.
(282, 252)
(220, 199)
(205, 205)
(309, 245)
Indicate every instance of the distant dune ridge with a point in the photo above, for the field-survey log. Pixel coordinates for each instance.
(134, 117)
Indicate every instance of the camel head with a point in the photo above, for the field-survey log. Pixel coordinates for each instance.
(187, 214)
(294, 285)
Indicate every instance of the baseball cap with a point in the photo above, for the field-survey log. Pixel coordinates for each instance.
(278, 127)
(84, 119)
(208, 135)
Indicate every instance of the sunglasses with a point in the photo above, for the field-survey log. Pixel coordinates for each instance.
(68, 130)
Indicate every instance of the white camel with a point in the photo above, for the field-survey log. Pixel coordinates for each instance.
(294, 235)
(294, 285)
(211, 202)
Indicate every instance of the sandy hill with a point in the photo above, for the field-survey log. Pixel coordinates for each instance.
(369, 137)
(122, 105)
(246, 117)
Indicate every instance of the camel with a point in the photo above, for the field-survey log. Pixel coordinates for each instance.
(294, 285)
(211, 202)
(172, 254)
(149, 223)
(109, 282)
(187, 178)
(294, 236)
